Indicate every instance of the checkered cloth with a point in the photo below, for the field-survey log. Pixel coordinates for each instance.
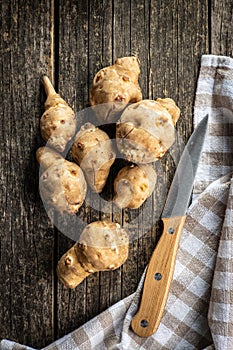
(199, 310)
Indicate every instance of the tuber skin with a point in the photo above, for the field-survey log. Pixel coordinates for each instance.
(62, 183)
(114, 87)
(133, 185)
(94, 152)
(146, 130)
(103, 245)
(171, 107)
(58, 122)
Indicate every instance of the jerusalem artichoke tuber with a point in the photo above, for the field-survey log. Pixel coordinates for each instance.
(145, 130)
(103, 245)
(133, 185)
(58, 122)
(94, 152)
(114, 87)
(62, 183)
(171, 107)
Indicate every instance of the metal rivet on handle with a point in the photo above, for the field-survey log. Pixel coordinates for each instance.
(144, 323)
(171, 230)
(158, 276)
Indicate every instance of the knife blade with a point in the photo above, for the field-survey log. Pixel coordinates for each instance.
(160, 270)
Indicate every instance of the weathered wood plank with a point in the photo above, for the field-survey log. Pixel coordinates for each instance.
(140, 40)
(100, 286)
(72, 83)
(88, 32)
(26, 251)
(121, 29)
(221, 27)
(136, 35)
(192, 43)
(178, 35)
(170, 50)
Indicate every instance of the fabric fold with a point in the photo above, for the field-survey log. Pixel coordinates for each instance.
(220, 314)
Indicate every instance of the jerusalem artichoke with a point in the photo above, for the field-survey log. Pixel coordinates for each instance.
(145, 130)
(133, 185)
(103, 245)
(62, 183)
(58, 122)
(94, 152)
(171, 107)
(114, 87)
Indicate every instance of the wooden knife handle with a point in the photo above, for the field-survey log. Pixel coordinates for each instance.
(158, 278)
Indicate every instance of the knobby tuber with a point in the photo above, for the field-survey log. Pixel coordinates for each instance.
(171, 107)
(146, 130)
(62, 183)
(103, 245)
(94, 152)
(133, 185)
(58, 122)
(115, 86)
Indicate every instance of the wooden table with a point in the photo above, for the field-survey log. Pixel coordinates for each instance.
(70, 41)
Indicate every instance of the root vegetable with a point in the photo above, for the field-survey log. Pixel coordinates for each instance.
(102, 246)
(171, 107)
(114, 87)
(133, 185)
(94, 152)
(58, 123)
(62, 183)
(146, 130)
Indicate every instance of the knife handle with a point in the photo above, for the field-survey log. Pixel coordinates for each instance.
(158, 278)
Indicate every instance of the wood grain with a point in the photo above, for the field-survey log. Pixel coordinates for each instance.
(27, 243)
(71, 40)
(72, 81)
(221, 19)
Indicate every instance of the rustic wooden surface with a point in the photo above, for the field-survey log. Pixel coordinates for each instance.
(71, 40)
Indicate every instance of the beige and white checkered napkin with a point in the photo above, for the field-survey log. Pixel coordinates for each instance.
(199, 310)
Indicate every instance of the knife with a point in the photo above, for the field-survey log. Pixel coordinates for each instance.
(162, 263)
